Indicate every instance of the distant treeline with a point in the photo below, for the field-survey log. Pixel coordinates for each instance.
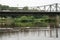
(5, 7)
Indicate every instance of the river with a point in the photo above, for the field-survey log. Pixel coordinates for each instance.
(31, 34)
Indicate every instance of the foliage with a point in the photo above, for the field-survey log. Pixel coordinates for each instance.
(27, 21)
(25, 8)
(30, 21)
(5, 7)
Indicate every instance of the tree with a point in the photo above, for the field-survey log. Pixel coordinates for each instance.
(4, 7)
(0, 6)
(25, 8)
(24, 21)
(13, 8)
(9, 21)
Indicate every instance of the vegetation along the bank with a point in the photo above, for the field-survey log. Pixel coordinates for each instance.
(25, 21)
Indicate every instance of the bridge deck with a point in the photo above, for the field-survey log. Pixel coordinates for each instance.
(14, 14)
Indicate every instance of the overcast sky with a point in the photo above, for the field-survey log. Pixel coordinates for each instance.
(22, 3)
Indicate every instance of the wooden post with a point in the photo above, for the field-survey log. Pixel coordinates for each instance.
(51, 24)
(57, 25)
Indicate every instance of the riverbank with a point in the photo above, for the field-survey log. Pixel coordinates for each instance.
(16, 29)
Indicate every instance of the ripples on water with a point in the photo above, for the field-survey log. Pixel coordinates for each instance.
(30, 35)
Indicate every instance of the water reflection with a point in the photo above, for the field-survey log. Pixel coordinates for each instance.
(30, 34)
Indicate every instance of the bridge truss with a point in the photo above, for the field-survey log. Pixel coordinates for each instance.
(47, 8)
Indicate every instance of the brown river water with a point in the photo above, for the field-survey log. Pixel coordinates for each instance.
(30, 34)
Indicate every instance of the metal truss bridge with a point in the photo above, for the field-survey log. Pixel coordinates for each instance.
(45, 8)
(48, 8)
(42, 10)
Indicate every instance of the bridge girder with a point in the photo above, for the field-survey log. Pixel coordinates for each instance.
(15, 14)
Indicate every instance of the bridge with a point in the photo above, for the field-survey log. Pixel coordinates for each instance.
(45, 8)
(37, 10)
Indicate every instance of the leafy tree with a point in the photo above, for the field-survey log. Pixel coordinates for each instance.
(25, 8)
(4, 7)
(24, 20)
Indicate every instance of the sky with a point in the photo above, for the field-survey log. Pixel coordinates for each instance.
(29, 3)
